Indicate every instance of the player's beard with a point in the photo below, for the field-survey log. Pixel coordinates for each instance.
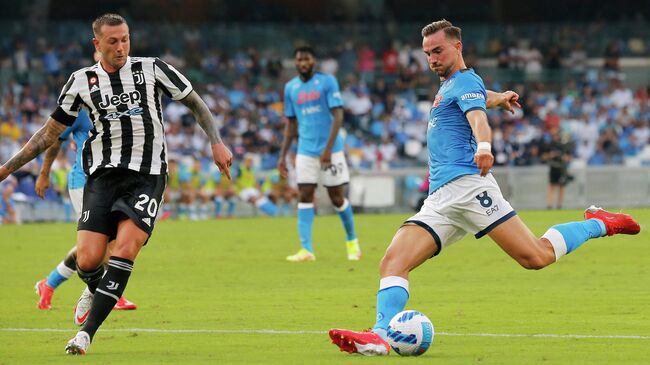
(307, 74)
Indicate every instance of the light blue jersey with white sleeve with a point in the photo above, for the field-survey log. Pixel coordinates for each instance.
(310, 103)
(451, 143)
(79, 130)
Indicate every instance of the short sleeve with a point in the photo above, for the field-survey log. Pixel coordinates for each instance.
(172, 82)
(69, 102)
(334, 99)
(289, 112)
(471, 94)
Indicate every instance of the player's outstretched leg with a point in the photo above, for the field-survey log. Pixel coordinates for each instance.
(45, 287)
(535, 253)
(411, 246)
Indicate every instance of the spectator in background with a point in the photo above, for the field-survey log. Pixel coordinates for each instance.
(578, 59)
(612, 56)
(558, 156)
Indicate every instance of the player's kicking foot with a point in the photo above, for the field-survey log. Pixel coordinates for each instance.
(82, 309)
(302, 255)
(354, 251)
(616, 223)
(78, 345)
(365, 343)
(124, 304)
(45, 292)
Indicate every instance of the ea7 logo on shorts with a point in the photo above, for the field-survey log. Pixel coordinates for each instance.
(85, 216)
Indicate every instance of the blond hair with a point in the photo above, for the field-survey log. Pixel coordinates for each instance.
(450, 30)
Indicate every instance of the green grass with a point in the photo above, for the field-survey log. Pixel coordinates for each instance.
(231, 275)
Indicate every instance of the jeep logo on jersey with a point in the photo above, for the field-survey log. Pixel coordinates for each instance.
(305, 96)
(132, 97)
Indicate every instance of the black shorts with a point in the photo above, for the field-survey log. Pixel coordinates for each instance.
(559, 176)
(110, 194)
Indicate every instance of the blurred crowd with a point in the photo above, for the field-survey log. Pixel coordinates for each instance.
(387, 93)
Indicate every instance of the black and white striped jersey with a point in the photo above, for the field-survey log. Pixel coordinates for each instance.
(125, 107)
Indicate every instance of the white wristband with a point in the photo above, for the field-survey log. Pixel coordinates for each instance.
(484, 146)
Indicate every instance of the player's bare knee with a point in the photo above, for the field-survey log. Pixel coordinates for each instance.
(533, 262)
(337, 201)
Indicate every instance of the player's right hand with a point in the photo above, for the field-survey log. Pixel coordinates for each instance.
(484, 160)
(42, 183)
(282, 168)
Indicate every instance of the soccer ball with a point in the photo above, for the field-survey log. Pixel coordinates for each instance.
(410, 333)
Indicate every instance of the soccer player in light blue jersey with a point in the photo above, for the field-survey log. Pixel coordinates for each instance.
(314, 108)
(463, 195)
(76, 182)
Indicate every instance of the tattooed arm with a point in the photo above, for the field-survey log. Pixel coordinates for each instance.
(43, 180)
(220, 153)
(39, 142)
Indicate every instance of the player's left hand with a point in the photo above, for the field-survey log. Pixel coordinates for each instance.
(222, 158)
(326, 159)
(509, 101)
(484, 160)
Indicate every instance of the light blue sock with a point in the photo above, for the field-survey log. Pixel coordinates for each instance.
(267, 206)
(567, 237)
(218, 204)
(55, 279)
(345, 213)
(231, 207)
(286, 209)
(391, 299)
(59, 275)
(305, 222)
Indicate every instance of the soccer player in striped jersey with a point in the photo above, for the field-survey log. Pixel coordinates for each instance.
(463, 196)
(76, 182)
(125, 158)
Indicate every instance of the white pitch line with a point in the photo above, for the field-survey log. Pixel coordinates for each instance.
(289, 332)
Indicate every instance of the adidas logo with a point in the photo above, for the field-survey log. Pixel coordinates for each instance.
(94, 88)
(147, 221)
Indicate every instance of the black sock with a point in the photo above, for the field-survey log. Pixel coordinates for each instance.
(70, 260)
(91, 278)
(108, 292)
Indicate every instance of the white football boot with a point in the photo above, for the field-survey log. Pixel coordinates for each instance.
(82, 309)
(78, 345)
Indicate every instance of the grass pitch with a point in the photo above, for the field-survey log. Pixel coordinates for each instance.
(205, 290)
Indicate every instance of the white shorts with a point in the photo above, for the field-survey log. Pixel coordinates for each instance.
(309, 171)
(77, 199)
(248, 194)
(469, 204)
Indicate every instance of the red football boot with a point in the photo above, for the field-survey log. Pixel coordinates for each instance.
(616, 223)
(45, 292)
(124, 304)
(365, 343)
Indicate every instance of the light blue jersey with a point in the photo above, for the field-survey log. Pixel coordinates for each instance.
(450, 140)
(310, 103)
(79, 130)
